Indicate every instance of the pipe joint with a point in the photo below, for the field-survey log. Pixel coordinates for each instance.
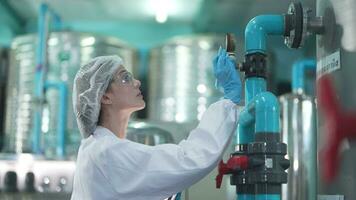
(259, 28)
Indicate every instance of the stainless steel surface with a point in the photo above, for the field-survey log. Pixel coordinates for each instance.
(299, 133)
(149, 134)
(35, 196)
(181, 81)
(4, 61)
(330, 197)
(50, 176)
(67, 51)
(340, 28)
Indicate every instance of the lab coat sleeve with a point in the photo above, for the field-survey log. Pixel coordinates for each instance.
(162, 170)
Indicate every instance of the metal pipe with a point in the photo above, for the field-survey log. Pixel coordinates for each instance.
(62, 115)
(259, 28)
(298, 74)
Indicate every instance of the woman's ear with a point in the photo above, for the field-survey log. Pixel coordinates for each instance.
(106, 99)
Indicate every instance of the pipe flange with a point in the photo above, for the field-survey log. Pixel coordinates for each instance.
(267, 148)
(294, 23)
(254, 65)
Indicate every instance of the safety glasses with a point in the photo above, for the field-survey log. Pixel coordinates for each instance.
(125, 78)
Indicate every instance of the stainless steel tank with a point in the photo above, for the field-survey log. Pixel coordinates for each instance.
(67, 51)
(147, 133)
(181, 80)
(336, 56)
(4, 61)
(298, 122)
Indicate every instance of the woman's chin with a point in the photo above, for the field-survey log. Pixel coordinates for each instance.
(140, 105)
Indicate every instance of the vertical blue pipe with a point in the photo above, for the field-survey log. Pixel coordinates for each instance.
(266, 113)
(40, 72)
(261, 113)
(298, 74)
(62, 115)
(253, 86)
(39, 77)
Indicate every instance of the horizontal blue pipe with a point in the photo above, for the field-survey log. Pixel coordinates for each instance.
(267, 197)
(259, 28)
(245, 197)
(263, 112)
(298, 74)
(62, 114)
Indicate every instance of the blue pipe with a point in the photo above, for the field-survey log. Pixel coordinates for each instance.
(261, 113)
(267, 197)
(253, 86)
(39, 76)
(259, 28)
(245, 197)
(41, 71)
(62, 114)
(298, 74)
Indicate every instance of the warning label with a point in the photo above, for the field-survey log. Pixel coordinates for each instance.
(328, 64)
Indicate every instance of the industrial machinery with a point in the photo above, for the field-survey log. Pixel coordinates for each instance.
(258, 164)
(181, 87)
(181, 81)
(42, 137)
(67, 51)
(298, 121)
(4, 65)
(336, 95)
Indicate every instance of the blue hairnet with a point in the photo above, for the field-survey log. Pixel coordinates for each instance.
(90, 83)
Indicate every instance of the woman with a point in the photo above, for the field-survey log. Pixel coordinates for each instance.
(109, 167)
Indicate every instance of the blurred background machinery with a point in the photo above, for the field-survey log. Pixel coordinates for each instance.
(336, 50)
(66, 52)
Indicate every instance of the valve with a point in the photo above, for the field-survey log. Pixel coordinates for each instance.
(340, 124)
(234, 164)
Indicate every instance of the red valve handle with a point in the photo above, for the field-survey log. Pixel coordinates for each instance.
(233, 164)
(340, 124)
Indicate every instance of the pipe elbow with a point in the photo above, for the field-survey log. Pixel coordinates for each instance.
(266, 101)
(257, 30)
(267, 113)
(298, 73)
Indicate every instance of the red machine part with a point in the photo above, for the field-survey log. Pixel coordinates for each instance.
(340, 124)
(233, 164)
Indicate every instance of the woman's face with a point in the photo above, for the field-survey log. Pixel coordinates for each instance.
(124, 92)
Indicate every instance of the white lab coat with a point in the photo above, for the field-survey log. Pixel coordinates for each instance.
(110, 168)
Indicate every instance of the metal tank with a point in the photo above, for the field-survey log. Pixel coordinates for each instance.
(66, 52)
(336, 56)
(298, 120)
(148, 134)
(181, 81)
(4, 61)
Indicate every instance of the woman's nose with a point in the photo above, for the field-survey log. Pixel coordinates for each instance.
(137, 83)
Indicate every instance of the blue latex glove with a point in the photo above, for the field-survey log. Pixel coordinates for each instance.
(227, 77)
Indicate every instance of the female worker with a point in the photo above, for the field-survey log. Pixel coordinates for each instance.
(110, 167)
